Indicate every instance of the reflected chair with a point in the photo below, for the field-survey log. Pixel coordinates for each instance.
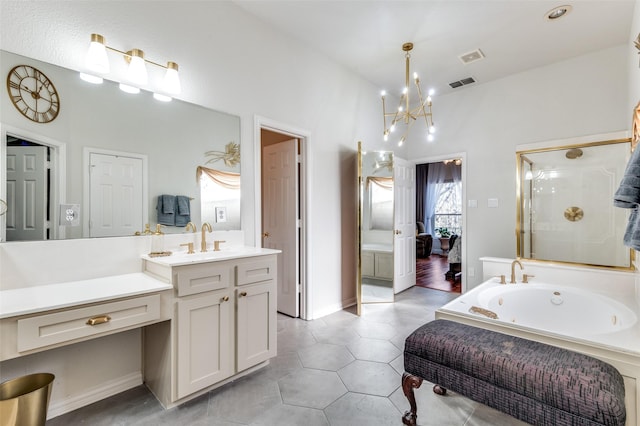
(454, 259)
(424, 241)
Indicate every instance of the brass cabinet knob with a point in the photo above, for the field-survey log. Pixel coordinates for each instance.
(397, 232)
(225, 299)
(243, 294)
(265, 235)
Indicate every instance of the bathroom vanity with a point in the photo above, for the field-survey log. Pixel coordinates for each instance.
(181, 324)
(224, 321)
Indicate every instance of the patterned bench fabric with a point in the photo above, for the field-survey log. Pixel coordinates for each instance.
(532, 381)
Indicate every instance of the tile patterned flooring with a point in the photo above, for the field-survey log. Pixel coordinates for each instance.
(338, 370)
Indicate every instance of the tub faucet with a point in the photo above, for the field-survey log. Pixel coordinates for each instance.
(203, 242)
(190, 227)
(513, 270)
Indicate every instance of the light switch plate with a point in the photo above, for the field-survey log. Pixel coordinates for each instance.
(492, 203)
(473, 204)
(69, 214)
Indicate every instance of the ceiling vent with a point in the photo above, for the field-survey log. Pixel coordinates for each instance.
(473, 56)
(463, 82)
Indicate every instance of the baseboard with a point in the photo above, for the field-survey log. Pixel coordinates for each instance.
(333, 308)
(91, 395)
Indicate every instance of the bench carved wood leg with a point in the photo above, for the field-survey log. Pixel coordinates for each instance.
(409, 383)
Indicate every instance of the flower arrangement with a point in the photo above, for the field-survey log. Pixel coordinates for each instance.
(443, 232)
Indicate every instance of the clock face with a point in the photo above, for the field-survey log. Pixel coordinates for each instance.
(33, 94)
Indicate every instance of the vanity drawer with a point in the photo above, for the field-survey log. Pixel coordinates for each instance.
(253, 270)
(50, 329)
(199, 278)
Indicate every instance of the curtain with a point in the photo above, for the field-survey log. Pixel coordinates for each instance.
(436, 176)
(422, 171)
(383, 182)
(229, 180)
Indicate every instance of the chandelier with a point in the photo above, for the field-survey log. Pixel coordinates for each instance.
(404, 113)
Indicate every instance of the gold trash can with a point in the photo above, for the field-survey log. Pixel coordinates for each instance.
(24, 400)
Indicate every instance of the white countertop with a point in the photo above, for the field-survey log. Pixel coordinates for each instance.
(183, 258)
(42, 298)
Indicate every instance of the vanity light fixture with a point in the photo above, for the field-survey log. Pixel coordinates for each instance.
(97, 64)
(404, 113)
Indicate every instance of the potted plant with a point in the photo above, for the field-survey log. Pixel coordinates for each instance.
(443, 235)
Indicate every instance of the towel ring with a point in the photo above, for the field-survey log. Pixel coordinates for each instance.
(3, 207)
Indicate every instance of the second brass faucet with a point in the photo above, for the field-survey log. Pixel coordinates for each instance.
(203, 242)
(513, 270)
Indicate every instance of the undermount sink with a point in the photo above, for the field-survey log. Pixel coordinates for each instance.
(184, 258)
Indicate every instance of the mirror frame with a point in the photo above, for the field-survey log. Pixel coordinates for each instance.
(520, 198)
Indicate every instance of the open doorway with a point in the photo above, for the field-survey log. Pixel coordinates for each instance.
(439, 225)
(281, 224)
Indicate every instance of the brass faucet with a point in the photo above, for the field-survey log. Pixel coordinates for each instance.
(190, 227)
(513, 270)
(203, 242)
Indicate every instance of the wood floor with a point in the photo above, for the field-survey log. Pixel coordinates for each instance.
(430, 273)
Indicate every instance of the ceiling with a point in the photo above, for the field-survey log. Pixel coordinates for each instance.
(366, 36)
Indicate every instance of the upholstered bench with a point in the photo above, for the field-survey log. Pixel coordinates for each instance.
(534, 382)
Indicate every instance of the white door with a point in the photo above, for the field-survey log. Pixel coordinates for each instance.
(404, 204)
(280, 218)
(115, 200)
(27, 193)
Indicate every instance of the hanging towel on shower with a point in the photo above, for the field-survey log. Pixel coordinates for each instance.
(628, 197)
(183, 210)
(166, 207)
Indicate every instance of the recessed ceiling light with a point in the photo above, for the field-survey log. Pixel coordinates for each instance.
(558, 12)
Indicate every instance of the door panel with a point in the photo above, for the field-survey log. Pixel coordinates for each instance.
(280, 218)
(116, 195)
(27, 184)
(404, 224)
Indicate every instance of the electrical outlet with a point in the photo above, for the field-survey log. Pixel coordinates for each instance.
(69, 214)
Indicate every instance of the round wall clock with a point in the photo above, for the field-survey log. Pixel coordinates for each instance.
(33, 94)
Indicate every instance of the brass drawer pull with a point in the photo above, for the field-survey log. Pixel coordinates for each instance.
(243, 294)
(98, 320)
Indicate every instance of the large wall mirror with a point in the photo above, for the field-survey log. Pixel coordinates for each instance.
(174, 149)
(565, 204)
(376, 226)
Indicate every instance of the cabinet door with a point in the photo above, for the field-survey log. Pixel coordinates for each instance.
(256, 324)
(384, 265)
(367, 264)
(205, 345)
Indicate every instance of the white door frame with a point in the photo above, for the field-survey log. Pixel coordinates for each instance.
(86, 154)
(306, 311)
(463, 157)
(58, 159)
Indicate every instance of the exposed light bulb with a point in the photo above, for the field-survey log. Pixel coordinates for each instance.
(400, 108)
(430, 137)
(431, 92)
(405, 90)
(162, 98)
(401, 142)
(383, 93)
(129, 89)
(90, 78)
(432, 129)
(386, 136)
(392, 128)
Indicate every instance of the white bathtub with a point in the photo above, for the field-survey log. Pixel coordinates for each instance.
(554, 308)
(596, 312)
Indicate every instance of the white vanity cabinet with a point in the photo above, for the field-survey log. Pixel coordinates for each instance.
(377, 264)
(224, 324)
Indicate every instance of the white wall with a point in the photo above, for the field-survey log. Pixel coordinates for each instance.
(580, 96)
(250, 70)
